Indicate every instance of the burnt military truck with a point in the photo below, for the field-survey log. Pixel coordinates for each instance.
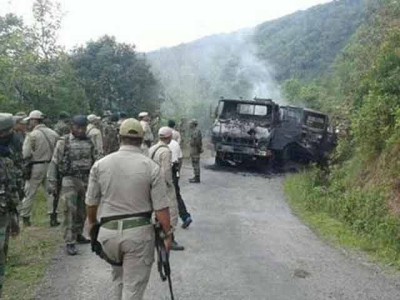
(242, 130)
(302, 135)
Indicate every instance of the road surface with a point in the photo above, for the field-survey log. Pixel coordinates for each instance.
(244, 243)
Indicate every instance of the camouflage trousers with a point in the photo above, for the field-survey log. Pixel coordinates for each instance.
(196, 164)
(72, 198)
(4, 238)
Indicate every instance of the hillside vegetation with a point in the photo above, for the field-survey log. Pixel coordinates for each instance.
(362, 187)
(256, 61)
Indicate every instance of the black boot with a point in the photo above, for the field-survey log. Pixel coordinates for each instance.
(53, 220)
(71, 249)
(82, 240)
(195, 179)
(176, 246)
(26, 221)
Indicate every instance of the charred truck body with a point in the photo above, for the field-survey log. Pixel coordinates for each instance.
(302, 135)
(242, 130)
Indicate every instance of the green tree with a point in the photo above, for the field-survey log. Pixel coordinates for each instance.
(115, 77)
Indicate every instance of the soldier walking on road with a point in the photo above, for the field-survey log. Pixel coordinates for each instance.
(62, 125)
(73, 157)
(124, 189)
(8, 191)
(37, 152)
(162, 155)
(94, 134)
(196, 148)
(177, 157)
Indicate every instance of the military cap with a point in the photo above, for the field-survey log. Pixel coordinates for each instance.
(64, 115)
(91, 118)
(107, 113)
(165, 132)
(114, 117)
(6, 121)
(21, 114)
(143, 114)
(35, 115)
(171, 123)
(80, 120)
(131, 128)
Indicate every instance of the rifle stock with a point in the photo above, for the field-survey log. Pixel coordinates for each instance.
(163, 265)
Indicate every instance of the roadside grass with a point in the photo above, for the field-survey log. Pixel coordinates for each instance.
(337, 220)
(30, 254)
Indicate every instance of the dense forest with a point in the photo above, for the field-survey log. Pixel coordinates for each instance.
(36, 73)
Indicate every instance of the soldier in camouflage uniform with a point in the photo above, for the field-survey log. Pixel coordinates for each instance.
(196, 148)
(62, 126)
(110, 134)
(73, 157)
(93, 132)
(8, 191)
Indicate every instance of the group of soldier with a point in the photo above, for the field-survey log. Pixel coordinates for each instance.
(66, 162)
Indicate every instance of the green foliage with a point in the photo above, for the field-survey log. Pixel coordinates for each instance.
(115, 77)
(355, 218)
(305, 44)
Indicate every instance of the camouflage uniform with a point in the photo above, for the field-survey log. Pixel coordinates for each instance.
(61, 128)
(96, 137)
(8, 195)
(196, 148)
(72, 159)
(148, 137)
(110, 137)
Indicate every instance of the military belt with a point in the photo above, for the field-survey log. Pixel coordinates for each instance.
(40, 162)
(127, 224)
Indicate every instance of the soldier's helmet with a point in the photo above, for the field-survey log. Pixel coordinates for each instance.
(64, 115)
(80, 120)
(6, 121)
(131, 128)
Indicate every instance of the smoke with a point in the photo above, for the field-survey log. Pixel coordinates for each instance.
(197, 74)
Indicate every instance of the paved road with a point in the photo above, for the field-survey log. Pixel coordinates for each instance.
(244, 244)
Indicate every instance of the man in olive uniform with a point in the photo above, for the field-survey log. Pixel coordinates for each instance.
(196, 148)
(73, 157)
(93, 132)
(162, 155)
(62, 126)
(37, 152)
(8, 191)
(148, 136)
(110, 134)
(125, 188)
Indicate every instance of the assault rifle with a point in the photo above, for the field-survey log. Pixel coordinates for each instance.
(163, 258)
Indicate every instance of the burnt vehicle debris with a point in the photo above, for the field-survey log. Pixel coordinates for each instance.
(302, 135)
(261, 130)
(241, 131)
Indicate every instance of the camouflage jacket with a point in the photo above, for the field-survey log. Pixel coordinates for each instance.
(61, 128)
(196, 142)
(72, 158)
(110, 138)
(8, 181)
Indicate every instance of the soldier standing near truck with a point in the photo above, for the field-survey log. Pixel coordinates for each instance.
(196, 148)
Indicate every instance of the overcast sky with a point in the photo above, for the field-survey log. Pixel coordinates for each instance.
(151, 24)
